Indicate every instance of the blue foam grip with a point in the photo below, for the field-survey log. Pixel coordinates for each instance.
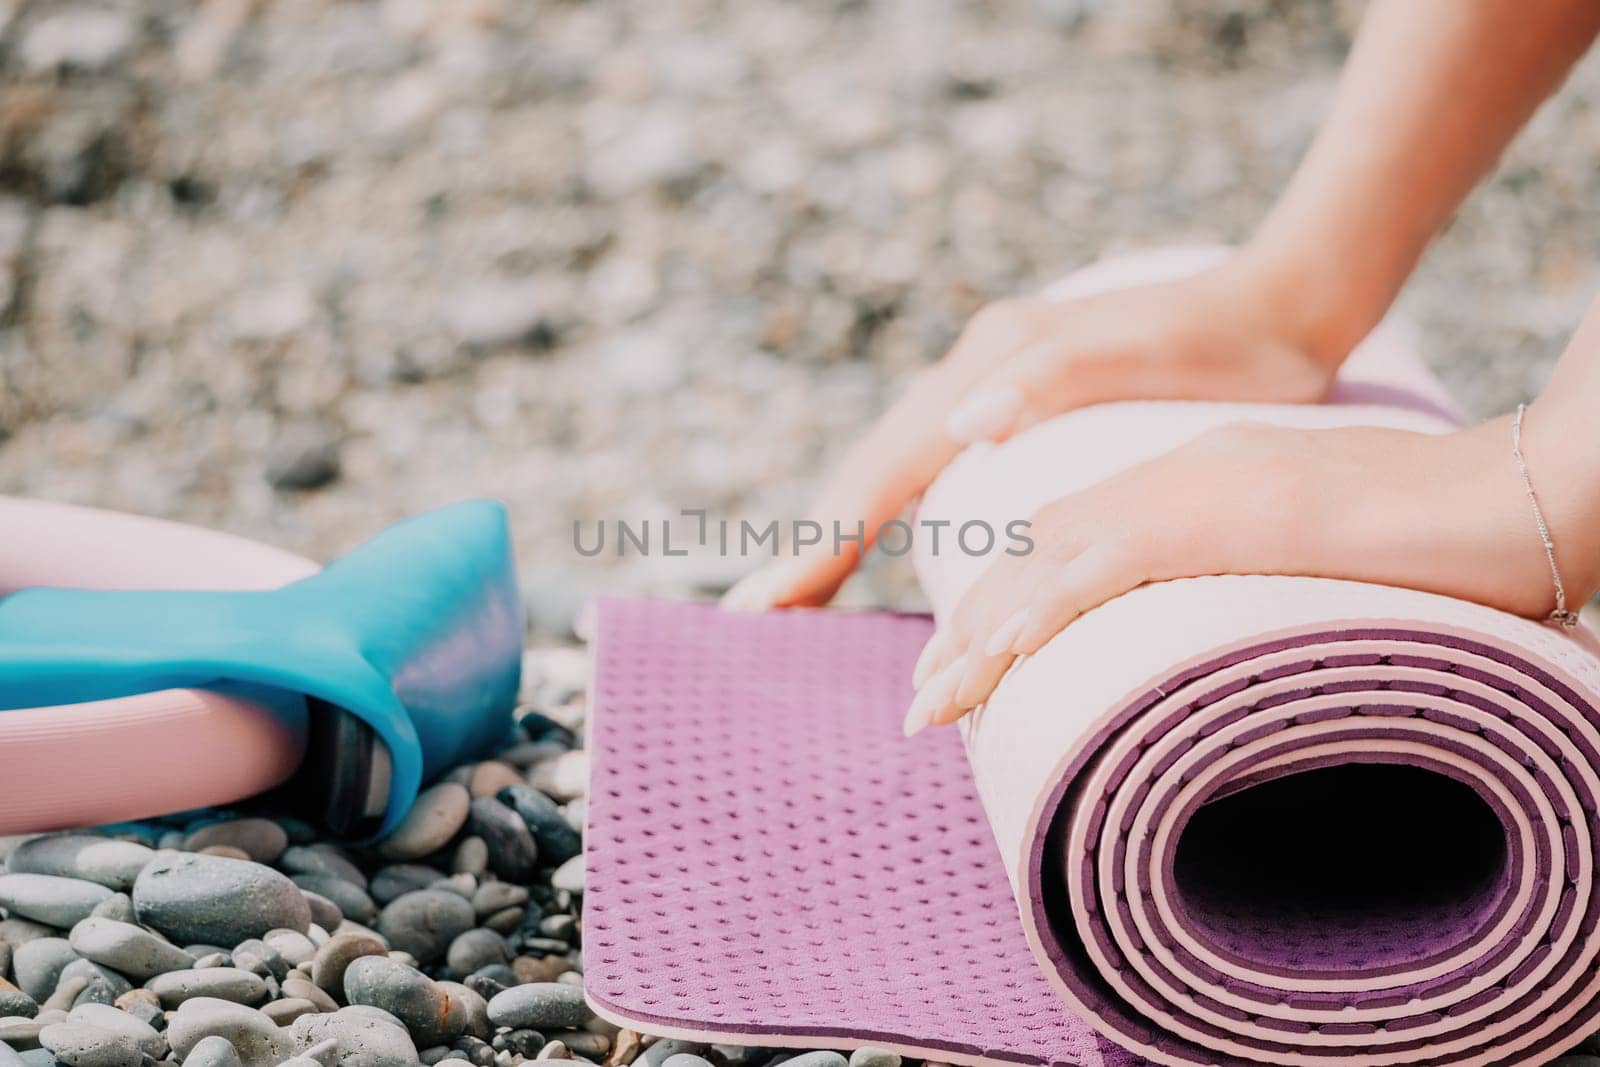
(418, 632)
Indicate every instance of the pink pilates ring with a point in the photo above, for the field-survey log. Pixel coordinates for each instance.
(132, 757)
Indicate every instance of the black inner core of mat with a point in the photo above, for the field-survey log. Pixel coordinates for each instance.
(1351, 866)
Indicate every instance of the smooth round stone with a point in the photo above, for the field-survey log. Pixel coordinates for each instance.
(49, 898)
(292, 945)
(10, 1058)
(21, 1033)
(364, 1036)
(476, 949)
(659, 1053)
(557, 840)
(322, 859)
(540, 1006)
(566, 777)
(324, 912)
(103, 860)
(95, 972)
(554, 1050)
(351, 900)
(131, 949)
(818, 1059)
(190, 897)
(285, 1011)
(491, 776)
(254, 1037)
(335, 957)
(212, 1051)
(118, 906)
(424, 923)
(491, 897)
(434, 819)
(471, 857)
(513, 855)
(78, 1044)
(37, 965)
(398, 879)
(569, 876)
(220, 983)
(258, 957)
(18, 932)
(404, 992)
(261, 839)
(867, 1056)
(470, 1009)
(14, 1003)
(128, 1028)
(304, 989)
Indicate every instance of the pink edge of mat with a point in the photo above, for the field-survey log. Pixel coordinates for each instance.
(152, 753)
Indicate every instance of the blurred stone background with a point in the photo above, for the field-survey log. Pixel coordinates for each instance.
(296, 268)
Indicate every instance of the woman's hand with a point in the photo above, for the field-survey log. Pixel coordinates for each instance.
(1233, 332)
(1446, 514)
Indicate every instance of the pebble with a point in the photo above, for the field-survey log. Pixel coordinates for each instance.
(324, 912)
(471, 857)
(868, 1056)
(18, 932)
(220, 983)
(255, 1038)
(124, 947)
(491, 776)
(103, 860)
(49, 898)
(817, 1059)
(79, 1044)
(118, 906)
(14, 1003)
(262, 840)
(476, 949)
(212, 1051)
(285, 1011)
(305, 989)
(513, 855)
(37, 965)
(566, 777)
(424, 923)
(557, 840)
(190, 897)
(332, 959)
(363, 1036)
(661, 1051)
(570, 875)
(295, 947)
(127, 1027)
(398, 879)
(22, 1033)
(435, 818)
(470, 1009)
(539, 1006)
(324, 860)
(407, 994)
(350, 899)
(9, 1058)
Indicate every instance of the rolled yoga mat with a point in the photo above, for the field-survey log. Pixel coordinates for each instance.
(1219, 820)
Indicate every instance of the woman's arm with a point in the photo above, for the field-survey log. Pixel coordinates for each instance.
(1433, 91)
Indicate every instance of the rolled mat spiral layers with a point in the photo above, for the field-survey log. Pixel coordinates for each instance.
(1242, 819)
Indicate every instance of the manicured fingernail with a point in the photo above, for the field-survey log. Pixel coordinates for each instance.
(928, 657)
(984, 415)
(1001, 640)
(933, 696)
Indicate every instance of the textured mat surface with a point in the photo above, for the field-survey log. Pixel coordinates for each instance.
(1230, 819)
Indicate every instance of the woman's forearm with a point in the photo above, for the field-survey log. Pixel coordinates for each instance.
(1432, 93)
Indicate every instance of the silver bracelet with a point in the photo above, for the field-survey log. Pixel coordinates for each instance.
(1566, 618)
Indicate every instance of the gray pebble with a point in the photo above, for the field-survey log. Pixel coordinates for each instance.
(118, 906)
(49, 898)
(539, 1006)
(9, 1057)
(471, 857)
(324, 912)
(491, 897)
(817, 1059)
(424, 923)
(323, 859)
(513, 855)
(38, 964)
(104, 860)
(14, 1003)
(868, 1056)
(398, 879)
(351, 900)
(333, 958)
(475, 950)
(470, 1009)
(127, 1027)
(569, 876)
(220, 983)
(434, 819)
(404, 992)
(557, 840)
(292, 945)
(285, 1011)
(212, 1051)
(95, 972)
(254, 1037)
(658, 1054)
(131, 949)
(80, 1044)
(18, 932)
(304, 989)
(261, 839)
(364, 1036)
(191, 897)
